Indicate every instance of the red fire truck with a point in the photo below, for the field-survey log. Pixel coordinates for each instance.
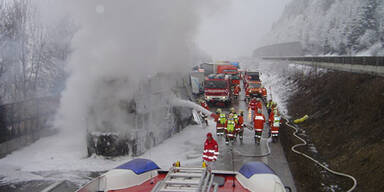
(217, 89)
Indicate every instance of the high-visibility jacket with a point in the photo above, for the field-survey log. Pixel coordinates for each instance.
(269, 104)
(211, 150)
(258, 122)
(230, 125)
(275, 125)
(222, 118)
(235, 118)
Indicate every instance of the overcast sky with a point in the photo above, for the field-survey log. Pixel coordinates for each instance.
(236, 30)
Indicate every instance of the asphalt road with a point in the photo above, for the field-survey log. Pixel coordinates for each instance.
(232, 157)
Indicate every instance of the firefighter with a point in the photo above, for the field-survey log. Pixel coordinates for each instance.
(252, 103)
(204, 104)
(220, 123)
(232, 111)
(258, 125)
(269, 106)
(264, 93)
(259, 104)
(203, 115)
(235, 118)
(211, 151)
(236, 91)
(229, 129)
(273, 106)
(275, 125)
(240, 126)
(273, 110)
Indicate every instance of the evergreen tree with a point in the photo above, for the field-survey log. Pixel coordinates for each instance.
(364, 22)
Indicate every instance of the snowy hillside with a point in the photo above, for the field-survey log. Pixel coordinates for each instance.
(342, 27)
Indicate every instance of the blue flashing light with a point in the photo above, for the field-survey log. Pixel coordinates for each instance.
(139, 166)
(251, 168)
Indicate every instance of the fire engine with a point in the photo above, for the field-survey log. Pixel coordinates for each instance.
(217, 89)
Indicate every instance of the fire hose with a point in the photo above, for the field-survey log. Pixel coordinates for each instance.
(258, 155)
(304, 143)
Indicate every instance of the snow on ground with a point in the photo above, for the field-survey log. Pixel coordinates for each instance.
(60, 158)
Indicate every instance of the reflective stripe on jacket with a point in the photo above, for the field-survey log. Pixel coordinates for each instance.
(231, 125)
(211, 150)
(222, 118)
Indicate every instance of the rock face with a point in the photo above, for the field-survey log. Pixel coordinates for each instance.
(332, 27)
(346, 128)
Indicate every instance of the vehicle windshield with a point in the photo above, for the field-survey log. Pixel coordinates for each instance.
(229, 71)
(215, 84)
(254, 85)
(253, 77)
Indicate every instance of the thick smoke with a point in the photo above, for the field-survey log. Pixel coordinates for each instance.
(119, 46)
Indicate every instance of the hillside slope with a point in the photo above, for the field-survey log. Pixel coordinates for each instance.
(332, 27)
(346, 130)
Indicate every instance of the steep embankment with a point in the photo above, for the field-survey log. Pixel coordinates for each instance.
(346, 128)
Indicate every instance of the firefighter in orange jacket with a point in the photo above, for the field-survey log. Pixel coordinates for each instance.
(240, 126)
(273, 111)
(211, 151)
(236, 90)
(258, 125)
(264, 93)
(204, 104)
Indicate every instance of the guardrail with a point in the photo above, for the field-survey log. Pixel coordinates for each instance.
(358, 60)
(361, 64)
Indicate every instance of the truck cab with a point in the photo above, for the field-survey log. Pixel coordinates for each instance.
(253, 89)
(251, 77)
(217, 89)
(232, 71)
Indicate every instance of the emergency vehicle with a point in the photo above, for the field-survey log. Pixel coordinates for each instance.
(253, 89)
(230, 70)
(217, 89)
(145, 175)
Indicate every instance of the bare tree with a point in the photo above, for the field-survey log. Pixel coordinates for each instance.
(33, 53)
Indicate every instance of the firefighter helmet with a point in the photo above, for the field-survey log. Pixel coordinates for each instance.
(218, 110)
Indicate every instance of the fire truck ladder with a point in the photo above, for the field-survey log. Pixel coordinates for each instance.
(184, 179)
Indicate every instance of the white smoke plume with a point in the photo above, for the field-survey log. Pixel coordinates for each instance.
(121, 43)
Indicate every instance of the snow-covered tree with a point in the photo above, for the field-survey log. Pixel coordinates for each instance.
(32, 52)
(332, 27)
